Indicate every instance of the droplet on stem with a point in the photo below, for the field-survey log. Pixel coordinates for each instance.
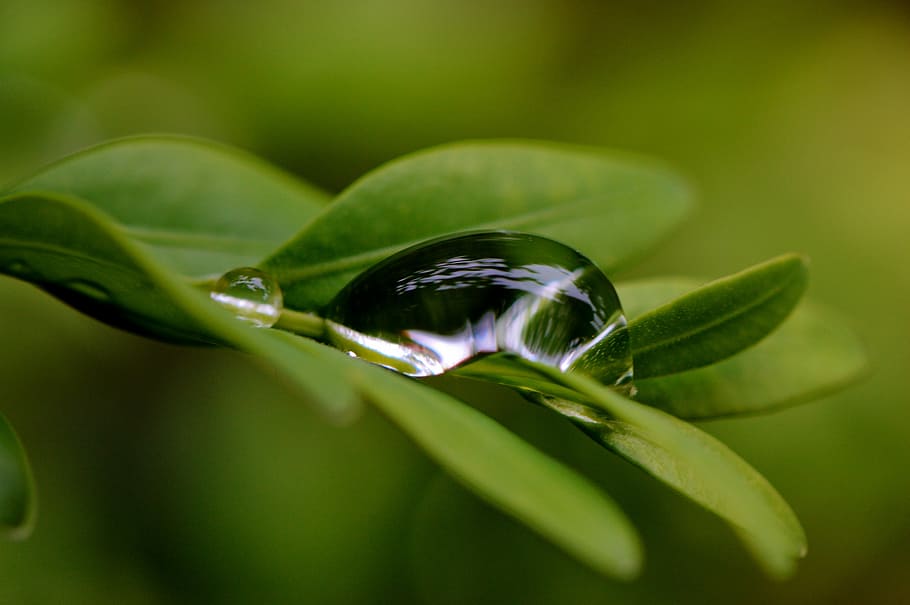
(441, 304)
(252, 295)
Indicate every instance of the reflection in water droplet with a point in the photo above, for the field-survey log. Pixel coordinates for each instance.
(441, 304)
(88, 288)
(252, 295)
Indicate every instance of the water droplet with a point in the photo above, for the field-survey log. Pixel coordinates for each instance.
(443, 303)
(252, 295)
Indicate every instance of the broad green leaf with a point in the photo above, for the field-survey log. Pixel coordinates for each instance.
(200, 208)
(500, 467)
(813, 353)
(610, 206)
(718, 319)
(17, 492)
(677, 453)
(74, 252)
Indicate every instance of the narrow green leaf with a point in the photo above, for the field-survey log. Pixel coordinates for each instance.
(199, 207)
(717, 320)
(685, 458)
(74, 252)
(17, 492)
(557, 502)
(810, 355)
(610, 206)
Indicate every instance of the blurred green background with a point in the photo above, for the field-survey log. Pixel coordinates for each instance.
(171, 475)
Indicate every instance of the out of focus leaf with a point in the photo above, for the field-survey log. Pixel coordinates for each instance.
(17, 492)
(200, 208)
(573, 195)
(718, 319)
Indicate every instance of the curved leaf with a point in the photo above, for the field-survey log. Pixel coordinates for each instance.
(17, 492)
(71, 250)
(718, 319)
(680, 455)
(562, 505)
(812, 354)
(199, 207)
(610, 206)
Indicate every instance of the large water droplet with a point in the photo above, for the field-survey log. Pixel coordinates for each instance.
(441, 304)
(252, 295)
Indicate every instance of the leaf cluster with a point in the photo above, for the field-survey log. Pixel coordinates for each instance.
(128, 231)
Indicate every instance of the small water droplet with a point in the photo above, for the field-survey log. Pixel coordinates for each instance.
(88, 288)
(252, 295)
(441, 304)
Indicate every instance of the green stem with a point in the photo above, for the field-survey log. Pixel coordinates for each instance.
(304, 324)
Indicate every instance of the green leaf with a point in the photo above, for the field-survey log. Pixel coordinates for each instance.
(509, 473)
(812, 354)
(610, 206)
(200, 208)
(717, 320)
(74, 252)
(677, 453)
(17, 492)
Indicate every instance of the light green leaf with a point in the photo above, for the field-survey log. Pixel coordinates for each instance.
(680, 455)
(610, 206)
(74, 252)
(717, 320)
(17, 491)
(813, 353)
(199, 207)
(509, 473)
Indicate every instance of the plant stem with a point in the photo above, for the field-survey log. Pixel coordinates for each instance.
(304, 324)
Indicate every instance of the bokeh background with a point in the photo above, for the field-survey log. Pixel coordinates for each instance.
(172, 475)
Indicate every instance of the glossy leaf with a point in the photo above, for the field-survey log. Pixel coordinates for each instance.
(500, 467)
(813, 353)
(680, 455)
(74, 252)
(718, 319)
(199, 208)
(609, 206)
(17, 492)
